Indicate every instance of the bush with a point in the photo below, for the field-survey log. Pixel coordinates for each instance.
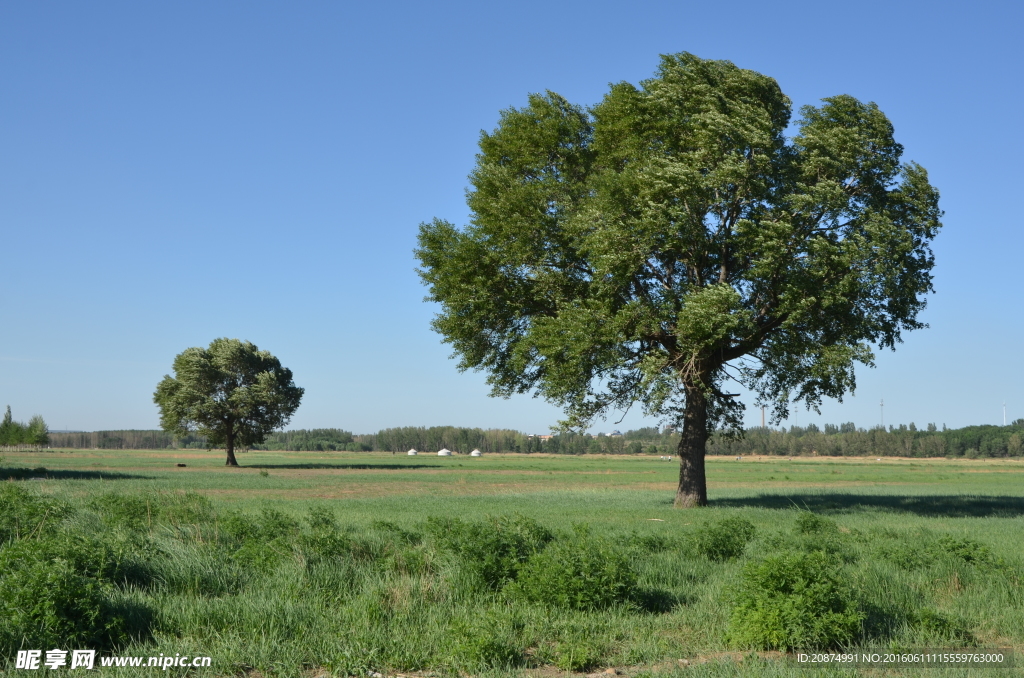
(490, 644)
(906, 556)
(579, 573)
(578, 655)
(645, 544)
(188, 508)
(263, 540)
(266, 527)
(794, 600)
(119, 510)
(944, 627)
(969, 551)
(23, 513)
(725, 540)
(494, 550)
(811, 523)
(48, 603)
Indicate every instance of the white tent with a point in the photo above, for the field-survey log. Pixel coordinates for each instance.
(444, 452)
(475, 453)
(411, 453)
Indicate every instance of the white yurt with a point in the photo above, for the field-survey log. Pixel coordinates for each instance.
(444, 452)
(475, 453)
(411, 453)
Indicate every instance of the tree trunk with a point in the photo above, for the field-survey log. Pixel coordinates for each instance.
(231, 448)
(693, 486)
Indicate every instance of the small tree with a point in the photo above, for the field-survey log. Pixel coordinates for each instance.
(232, 393)
(10, 430)
(671, 238)
(16, 433)
(37, 432)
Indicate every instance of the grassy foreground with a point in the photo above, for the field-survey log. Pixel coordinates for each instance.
(349, 563)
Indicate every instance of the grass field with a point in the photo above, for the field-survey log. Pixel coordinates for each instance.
(343, 563)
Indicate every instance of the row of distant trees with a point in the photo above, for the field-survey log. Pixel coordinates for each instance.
(902, 441)
(834, 440)
(453, 438)
(124, 440)
(14, 433)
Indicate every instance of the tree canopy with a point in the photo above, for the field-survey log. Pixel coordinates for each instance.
(673, 237)
(12, 433)
(231, 392)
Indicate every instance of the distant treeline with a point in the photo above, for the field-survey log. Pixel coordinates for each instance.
(314, 440)
(453, 438)
(14, 433)
(902, 441)
(123, 440)
(842, 440)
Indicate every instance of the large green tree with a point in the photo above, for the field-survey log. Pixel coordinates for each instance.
(672, 238)
(231, 392)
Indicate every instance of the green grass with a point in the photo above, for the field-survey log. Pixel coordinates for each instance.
(345, 576)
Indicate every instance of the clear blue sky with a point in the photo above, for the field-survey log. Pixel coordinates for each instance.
(175, 172)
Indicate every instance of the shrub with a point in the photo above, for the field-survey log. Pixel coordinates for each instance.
(262, 540)
(944, 627)
(23, 513)
(905, 556)
(188, 508)
(48, 603)
(266, 527)
(579, 573)
(969, 551)
(794, 600)
(494, 550)
(725, 540)
(811, 523)
(645, 543)
(490, 644)
(578, 655)
(119, 510)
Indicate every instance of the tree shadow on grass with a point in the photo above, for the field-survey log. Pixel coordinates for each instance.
(357, 467)
(950, 506)
(42, 473)
(659, 601)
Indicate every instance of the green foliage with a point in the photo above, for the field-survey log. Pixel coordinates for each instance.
(263, 540)
(232, 393)
(812, 523)
(390, 599)
(313, 440)
(949, 628)
(794, 601)
(129, 511)
(917, 552)
(724, 540)
(185, 508)
(24, 514)
(494, 550)
(456, 438)
(901, 441)
(581, 572)
(15, 433)
(267, 526)
(578, 654)
(630, 252)
(46, 603)
(488, 643)
(968, 550)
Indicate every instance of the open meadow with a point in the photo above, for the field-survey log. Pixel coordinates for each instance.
(310, 563)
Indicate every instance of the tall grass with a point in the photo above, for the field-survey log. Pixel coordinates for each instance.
(482, 585)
